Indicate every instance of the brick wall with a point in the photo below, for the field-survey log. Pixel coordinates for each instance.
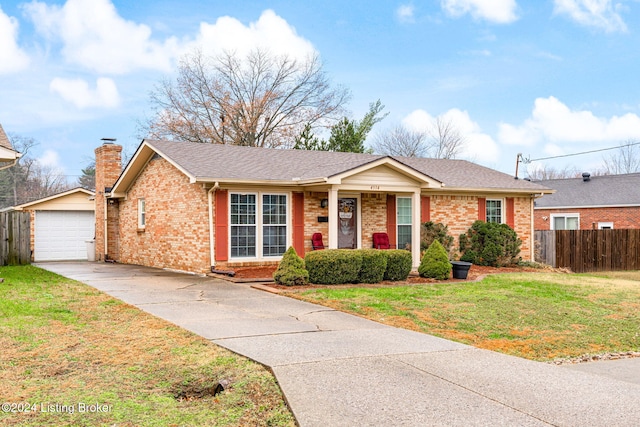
(176, 234)
(622, 217)
(108, 168)
(374, 217)
(459, 213)
(312, 210)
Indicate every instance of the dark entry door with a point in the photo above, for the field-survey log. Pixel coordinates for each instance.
(347, 223)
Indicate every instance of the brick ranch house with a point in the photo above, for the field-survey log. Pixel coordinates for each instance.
(191, 207)
(590, 202)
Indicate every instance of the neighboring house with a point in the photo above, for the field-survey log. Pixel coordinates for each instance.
(192, 207)
(61, 225)
(8, 156)
(590, 202)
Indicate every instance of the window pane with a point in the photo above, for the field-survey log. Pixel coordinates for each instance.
(243, 225)
(404, 236)
(403, 206)
(274, 224)
(572, 223)
(558, 223)
(494, 211)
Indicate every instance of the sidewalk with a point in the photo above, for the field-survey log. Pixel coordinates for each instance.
(340, 370)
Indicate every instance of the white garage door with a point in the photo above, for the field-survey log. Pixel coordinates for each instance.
(62, 235)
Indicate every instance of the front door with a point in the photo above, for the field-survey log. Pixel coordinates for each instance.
(347, 223)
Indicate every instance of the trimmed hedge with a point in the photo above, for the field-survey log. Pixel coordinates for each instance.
(291, 270)
(374, 265)
(399, 264)
(333, 266)
(435, 262)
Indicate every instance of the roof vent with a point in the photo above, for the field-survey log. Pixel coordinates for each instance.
(586, 176)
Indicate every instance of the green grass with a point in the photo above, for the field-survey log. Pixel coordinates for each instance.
(65, 343)
(540, 316)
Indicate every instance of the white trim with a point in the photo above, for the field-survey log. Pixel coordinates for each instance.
(605, 225)
(551, 208)
(564, 215)
(142, 210)
(259, 226)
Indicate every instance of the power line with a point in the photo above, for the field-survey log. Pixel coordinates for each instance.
(527, 160)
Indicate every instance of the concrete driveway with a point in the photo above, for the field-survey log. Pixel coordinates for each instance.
(340, 370)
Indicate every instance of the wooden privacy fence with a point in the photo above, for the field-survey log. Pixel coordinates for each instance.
(589, 250)
(15, 238)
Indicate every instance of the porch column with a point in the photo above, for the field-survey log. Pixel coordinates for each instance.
(333, 218)
(415, 228)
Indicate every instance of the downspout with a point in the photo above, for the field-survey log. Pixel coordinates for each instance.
(210, 201)
(532, 220)
(106, 232)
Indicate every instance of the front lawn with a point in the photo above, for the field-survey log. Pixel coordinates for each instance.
(71, 355)
(539, 316)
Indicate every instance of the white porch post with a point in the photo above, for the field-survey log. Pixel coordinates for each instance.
(415, 228)
(333, 218)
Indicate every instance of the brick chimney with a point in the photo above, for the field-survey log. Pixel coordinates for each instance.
(108, 169)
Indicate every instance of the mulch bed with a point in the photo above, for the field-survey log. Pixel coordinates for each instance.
(264, 274)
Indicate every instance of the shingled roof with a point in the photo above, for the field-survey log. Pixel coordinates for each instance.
(596, 191)
(4, 140)
(215, 162)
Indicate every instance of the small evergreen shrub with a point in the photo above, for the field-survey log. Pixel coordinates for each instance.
(291, 271)
(374, 265)
(492, 244)
(399, 263)
(430, 231)
(435, 262)
(333, 266)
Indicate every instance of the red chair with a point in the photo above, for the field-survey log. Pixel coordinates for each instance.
(381, 241)
(316, 241)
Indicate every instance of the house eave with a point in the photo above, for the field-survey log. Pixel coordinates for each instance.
(630, 205)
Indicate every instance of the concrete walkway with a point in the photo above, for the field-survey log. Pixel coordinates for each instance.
(340, 370)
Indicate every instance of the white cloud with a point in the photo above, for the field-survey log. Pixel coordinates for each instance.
(496, 11)
(270, 31)
(12, 58)
(553, 122)
(405, 13)
(50, 159)
(601, 14)
(78, 92)
(96, 37)
(478, 146)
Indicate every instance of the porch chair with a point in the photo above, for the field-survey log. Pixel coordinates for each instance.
(381, 241)
(316, 241)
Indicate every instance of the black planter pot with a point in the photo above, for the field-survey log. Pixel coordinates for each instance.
(460, 269)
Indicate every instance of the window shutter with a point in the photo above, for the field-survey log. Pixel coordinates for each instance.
(222, 225)
(298, 223)
(391, 218)
(425, 209)
(510, 212)
(482, 208)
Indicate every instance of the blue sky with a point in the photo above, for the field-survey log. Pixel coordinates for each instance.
(542, 78)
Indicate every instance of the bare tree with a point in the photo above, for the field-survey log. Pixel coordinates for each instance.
(537, 173)
(626, 160)
(257, 100)
(401, 141)
(446, 141)
(442, 139)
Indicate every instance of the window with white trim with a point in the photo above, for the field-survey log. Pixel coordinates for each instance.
(142, 213)
(565, 222)
(258, 225)
(494, 211)
(605, 225)
(403, 222)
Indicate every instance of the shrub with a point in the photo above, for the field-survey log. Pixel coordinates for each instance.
(333, 266)
(399, 263)
(430, 231)
(374, 265)
(492, 244)
(291, 270)
(435, 262)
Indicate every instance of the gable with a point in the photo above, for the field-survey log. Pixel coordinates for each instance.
(74, 200)
(381, 176)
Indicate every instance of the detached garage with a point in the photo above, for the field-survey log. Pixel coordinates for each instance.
(61, 225)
